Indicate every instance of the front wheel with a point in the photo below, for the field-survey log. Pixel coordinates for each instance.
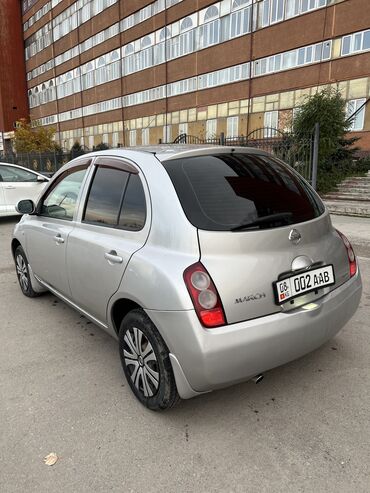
(146, 363)
(23, 274)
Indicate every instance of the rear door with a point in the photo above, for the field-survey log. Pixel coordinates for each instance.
(19, 184)
(114, 225)
(246, 207)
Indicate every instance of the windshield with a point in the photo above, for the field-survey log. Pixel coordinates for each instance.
(224, 192)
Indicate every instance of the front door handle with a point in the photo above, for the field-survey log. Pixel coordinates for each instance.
(10, 187)
(113, 258)
(59, 240)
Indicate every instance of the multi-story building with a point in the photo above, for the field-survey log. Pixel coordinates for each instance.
(13, 89)
(135, 71)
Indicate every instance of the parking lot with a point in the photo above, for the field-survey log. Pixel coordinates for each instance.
(305, 428)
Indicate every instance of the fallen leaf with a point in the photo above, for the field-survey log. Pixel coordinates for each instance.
(51, 459)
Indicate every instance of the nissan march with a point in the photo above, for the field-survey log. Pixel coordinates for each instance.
(210, 265)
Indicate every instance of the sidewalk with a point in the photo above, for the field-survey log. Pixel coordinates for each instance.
(357, 230)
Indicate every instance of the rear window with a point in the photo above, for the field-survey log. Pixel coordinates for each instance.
(241, 191)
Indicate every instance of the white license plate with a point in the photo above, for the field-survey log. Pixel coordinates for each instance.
(307, 281)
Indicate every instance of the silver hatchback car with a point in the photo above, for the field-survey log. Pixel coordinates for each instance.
(210, 265)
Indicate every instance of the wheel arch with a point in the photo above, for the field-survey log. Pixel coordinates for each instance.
(14, 245)
(121, 307)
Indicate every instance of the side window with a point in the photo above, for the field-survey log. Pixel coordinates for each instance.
(105, 196)
(61, 201)
(133, 213)
(12, 174)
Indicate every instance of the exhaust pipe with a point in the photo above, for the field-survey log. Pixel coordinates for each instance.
(257, 378)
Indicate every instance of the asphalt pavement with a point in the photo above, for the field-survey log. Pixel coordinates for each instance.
(305, 428)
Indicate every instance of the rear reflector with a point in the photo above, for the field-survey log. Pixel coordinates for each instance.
(350, 254)
(204, 296)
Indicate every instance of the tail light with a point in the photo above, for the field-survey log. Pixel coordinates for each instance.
(350, 254)
(204, 295)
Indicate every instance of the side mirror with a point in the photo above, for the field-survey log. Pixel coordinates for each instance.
(41, 179)
(25, 207)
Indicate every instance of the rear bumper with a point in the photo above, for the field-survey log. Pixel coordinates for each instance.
(212, 358)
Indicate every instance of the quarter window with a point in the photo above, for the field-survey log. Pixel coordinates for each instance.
(61, 201)
(133, 212)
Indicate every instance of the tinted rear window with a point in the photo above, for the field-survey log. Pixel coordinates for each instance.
(222, 192)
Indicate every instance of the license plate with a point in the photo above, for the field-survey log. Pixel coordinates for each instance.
(307, 281)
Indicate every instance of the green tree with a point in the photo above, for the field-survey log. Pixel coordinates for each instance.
(336, 149)
(328, 108)
(33, 138)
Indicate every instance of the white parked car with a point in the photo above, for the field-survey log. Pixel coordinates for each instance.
(18, 183)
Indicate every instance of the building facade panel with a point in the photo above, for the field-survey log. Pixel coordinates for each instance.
(284, 81)
(351, 16)
(298, 31)
(350, 67)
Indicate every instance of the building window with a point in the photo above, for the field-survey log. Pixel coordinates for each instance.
(277, 11)
(145, 42)
(355, 43)
(164, 34)
(211, 129)
(211, 13)
(167, 134)
(291, 8)
(237, 4)
(232, 129)
(132, 137)
(293, 59)
(115, 138)
(271, 123)
(356, 107)
(145, 136)
(209, 34)
(183, 128)
(186, 24)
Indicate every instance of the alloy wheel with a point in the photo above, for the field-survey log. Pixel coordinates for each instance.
(22, 272)
(141, 362)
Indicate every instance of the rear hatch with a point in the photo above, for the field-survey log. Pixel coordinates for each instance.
(258, 221)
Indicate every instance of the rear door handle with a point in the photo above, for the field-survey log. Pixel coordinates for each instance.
(10, 187)
(59, 239)
(113, 258)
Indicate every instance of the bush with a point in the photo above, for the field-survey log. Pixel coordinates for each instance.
(76, 150)
(101, 147)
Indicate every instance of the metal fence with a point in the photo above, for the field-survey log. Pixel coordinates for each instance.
(43, 162)
(301, 153)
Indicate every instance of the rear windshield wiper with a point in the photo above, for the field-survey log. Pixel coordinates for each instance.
(271, 218)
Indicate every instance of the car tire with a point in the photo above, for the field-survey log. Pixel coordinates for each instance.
(23, 274)
(146, 363)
